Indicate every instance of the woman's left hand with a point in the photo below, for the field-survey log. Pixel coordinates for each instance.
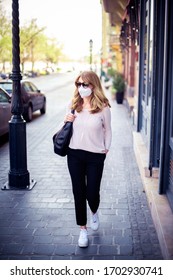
(69, 117)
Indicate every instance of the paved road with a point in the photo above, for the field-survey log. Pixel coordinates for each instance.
(40, 224)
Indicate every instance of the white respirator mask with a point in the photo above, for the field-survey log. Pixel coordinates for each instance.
(84, 92)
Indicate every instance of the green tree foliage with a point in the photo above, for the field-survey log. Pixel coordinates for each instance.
(34, 44)
(5, 39)
(52, 51)
(30, 37)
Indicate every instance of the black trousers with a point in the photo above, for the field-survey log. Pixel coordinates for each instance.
(86, 170)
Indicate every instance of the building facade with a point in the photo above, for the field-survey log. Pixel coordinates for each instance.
(145, 40)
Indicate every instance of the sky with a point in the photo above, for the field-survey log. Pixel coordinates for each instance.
(72, 22)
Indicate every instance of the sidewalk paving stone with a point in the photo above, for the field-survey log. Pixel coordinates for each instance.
(40, 224)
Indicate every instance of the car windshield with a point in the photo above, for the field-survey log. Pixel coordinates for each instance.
(6, 86)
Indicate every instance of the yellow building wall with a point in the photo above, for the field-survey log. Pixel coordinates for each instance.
(111, 51)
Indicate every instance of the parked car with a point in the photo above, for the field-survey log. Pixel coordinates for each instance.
(3, 75)
(32, 97)
(5, 111)
(7, 85)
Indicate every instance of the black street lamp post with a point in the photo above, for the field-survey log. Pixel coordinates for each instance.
(91, 49)
(18, 176)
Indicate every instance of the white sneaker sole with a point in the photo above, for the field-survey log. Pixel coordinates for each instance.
(82, 245)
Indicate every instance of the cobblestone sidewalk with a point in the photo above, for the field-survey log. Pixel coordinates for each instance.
(40, 224)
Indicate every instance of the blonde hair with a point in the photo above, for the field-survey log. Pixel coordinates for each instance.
(98, 99)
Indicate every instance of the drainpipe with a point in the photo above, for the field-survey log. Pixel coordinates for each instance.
(164, 109)
(141, 64)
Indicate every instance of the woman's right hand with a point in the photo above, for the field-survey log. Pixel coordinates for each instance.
(69, 117)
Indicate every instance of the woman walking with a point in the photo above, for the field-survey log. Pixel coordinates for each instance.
(88, 147)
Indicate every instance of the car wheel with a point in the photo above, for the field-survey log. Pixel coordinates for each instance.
(29, 114)
(43, 109)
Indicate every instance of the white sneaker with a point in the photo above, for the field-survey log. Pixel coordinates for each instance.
(94, 221)
(83, 238)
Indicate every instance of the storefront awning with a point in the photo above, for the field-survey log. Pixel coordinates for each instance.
(116, 10)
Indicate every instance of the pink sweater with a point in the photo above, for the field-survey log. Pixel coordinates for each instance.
(92, 132)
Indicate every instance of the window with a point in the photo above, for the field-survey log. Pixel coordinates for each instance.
(27, 87)
(7, 86)
(3, 97)
(33, 88)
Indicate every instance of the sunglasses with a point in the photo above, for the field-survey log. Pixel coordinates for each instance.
(78, 84)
